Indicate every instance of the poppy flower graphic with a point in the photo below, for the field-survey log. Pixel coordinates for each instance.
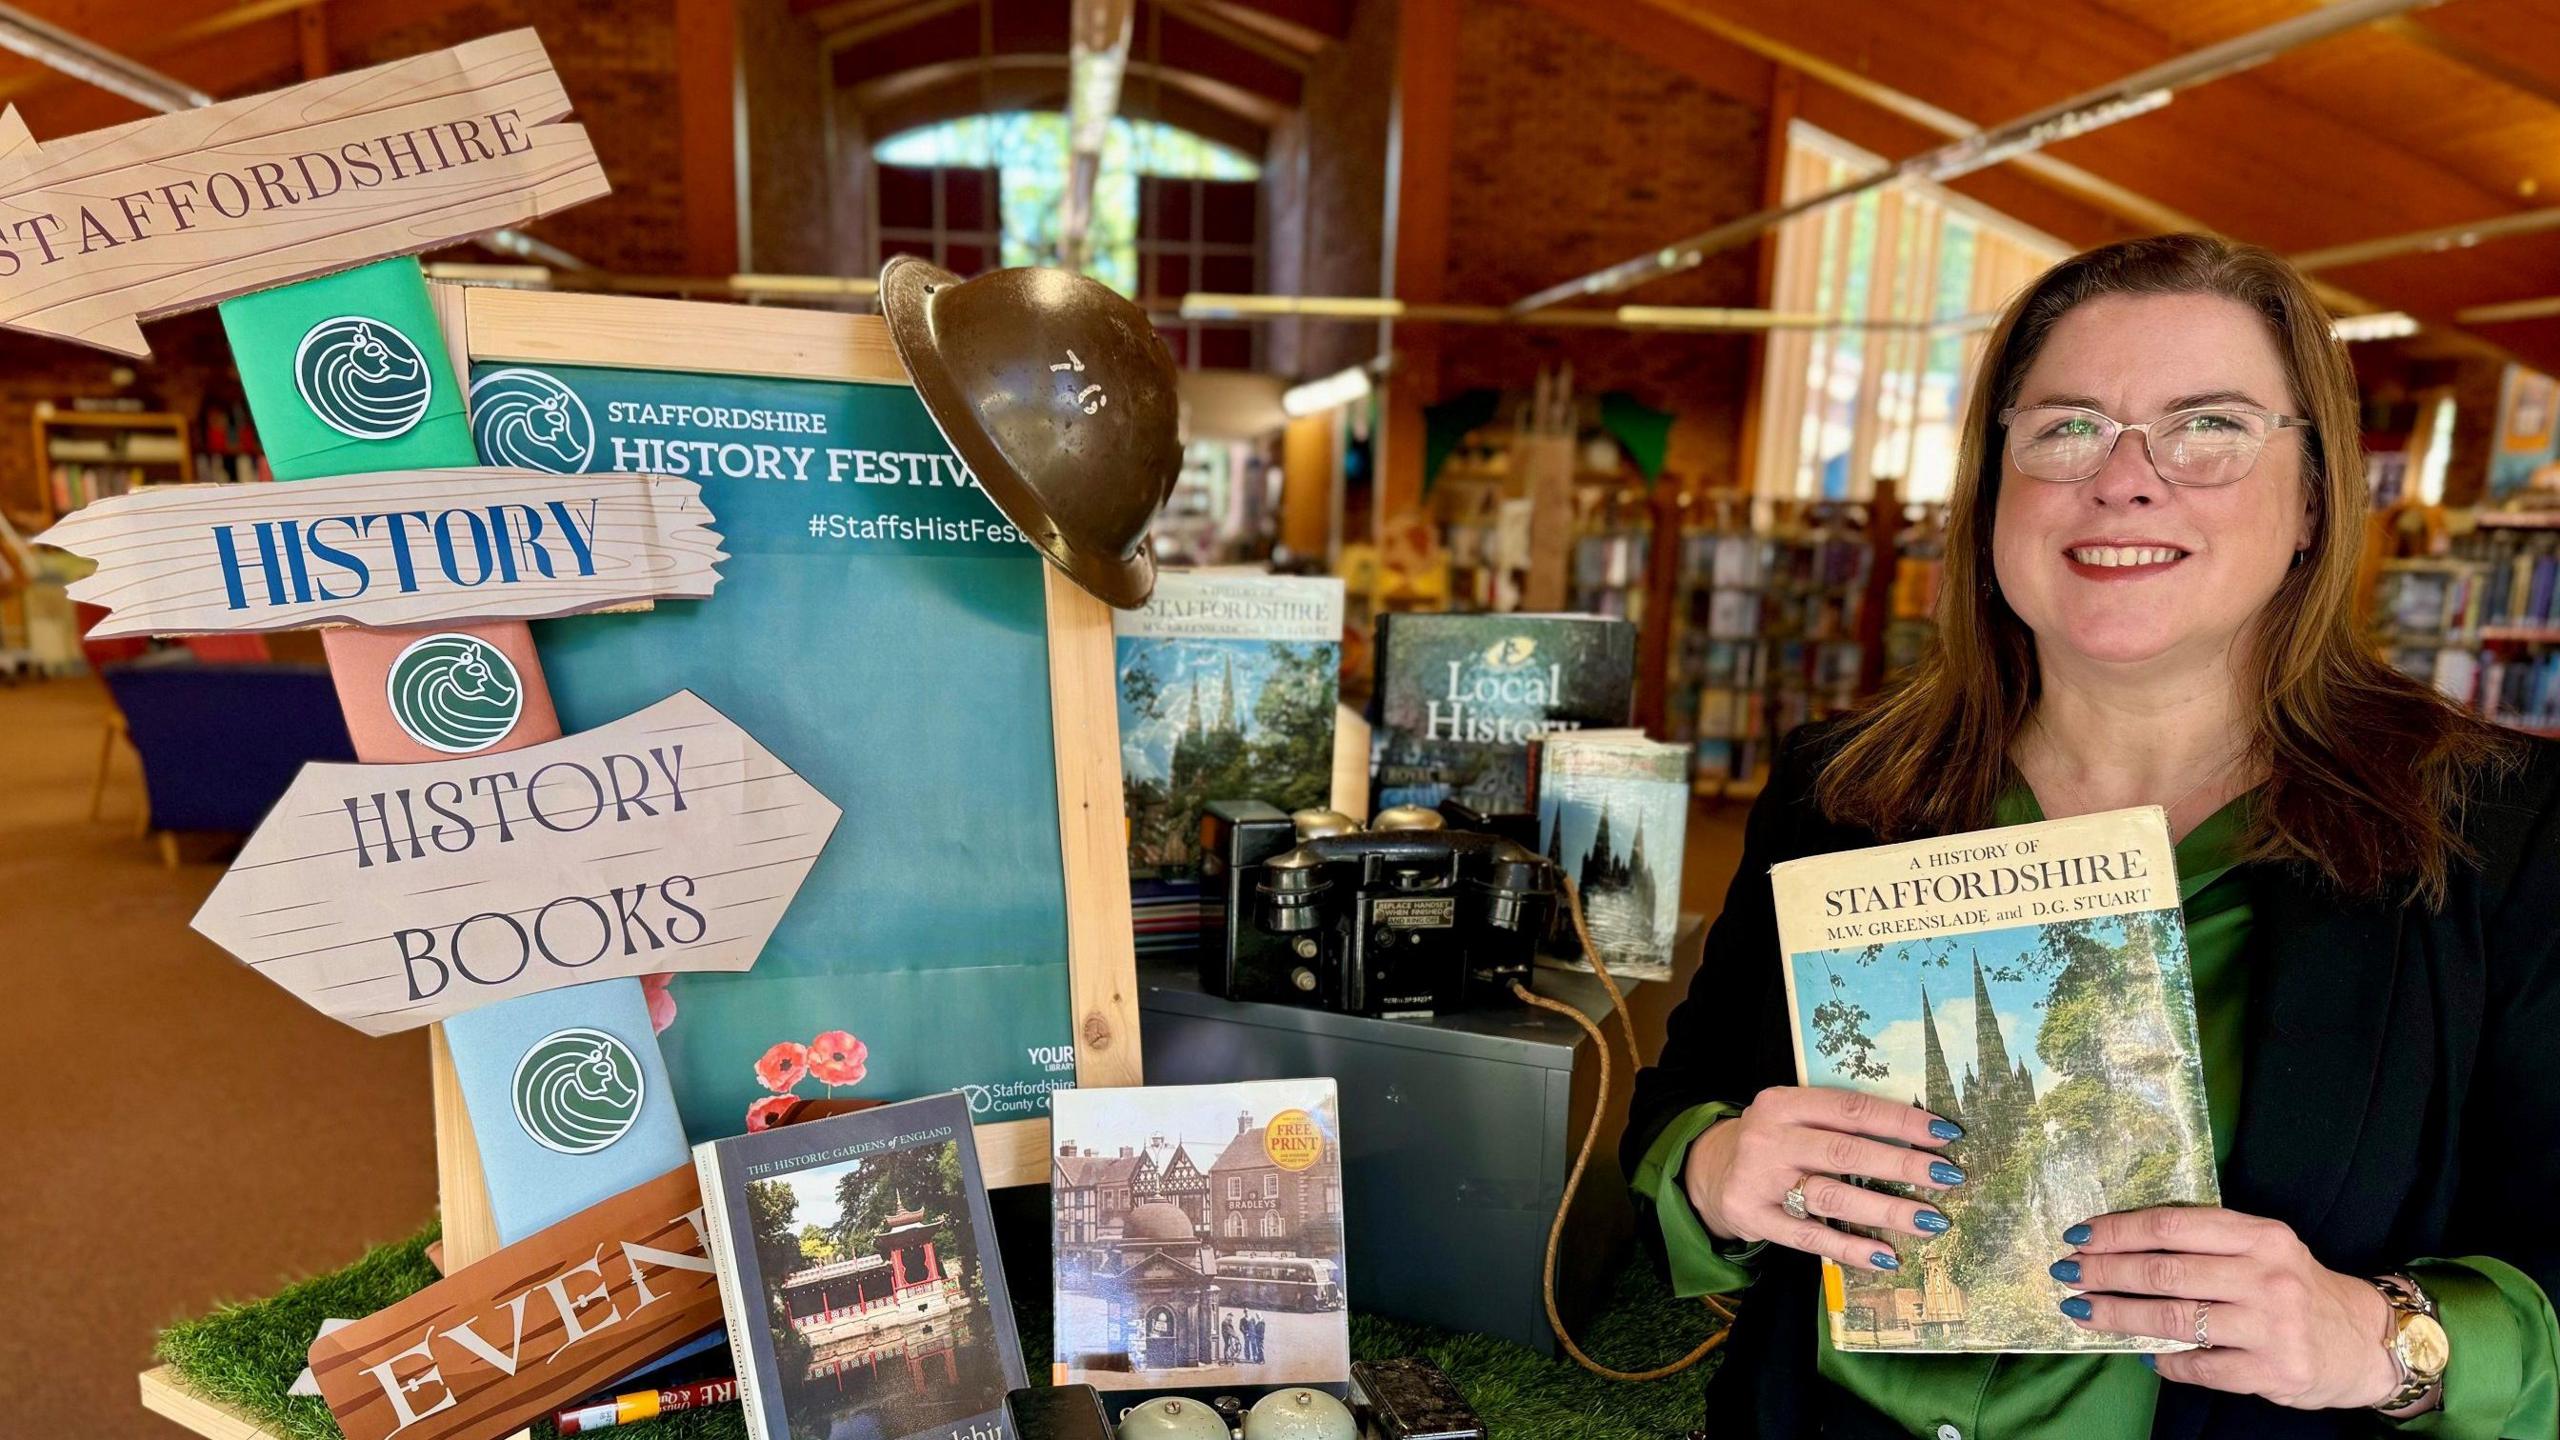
(836, 1058)
(662, 1002)
(771, 1112)
(782, 1066)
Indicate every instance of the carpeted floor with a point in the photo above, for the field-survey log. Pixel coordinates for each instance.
(182, 1133)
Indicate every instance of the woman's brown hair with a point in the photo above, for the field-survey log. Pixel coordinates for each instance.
(2368, 770)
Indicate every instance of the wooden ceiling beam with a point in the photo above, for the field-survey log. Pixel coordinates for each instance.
(1305, 25)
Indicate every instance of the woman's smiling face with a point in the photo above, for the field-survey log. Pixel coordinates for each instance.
(2123, 567)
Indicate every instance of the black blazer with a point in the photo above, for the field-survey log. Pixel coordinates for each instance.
(2402, 1096)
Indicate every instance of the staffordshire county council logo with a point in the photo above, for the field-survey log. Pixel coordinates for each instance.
(362, 377)
(529, 420)
(455, 693)
(577, 1091)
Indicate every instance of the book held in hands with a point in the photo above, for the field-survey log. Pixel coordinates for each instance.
(859, 1277)
(2031, 984)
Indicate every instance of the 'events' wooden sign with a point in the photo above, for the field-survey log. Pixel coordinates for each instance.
(420, 547)
(390, 896)
(103, 230)
(553, 1317)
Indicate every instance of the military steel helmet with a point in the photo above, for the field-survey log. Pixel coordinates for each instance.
(1056, 391)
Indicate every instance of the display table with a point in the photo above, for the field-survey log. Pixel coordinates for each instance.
(225, 1375)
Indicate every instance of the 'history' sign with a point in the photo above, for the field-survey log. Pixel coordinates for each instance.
(390, 896)
(420, 547)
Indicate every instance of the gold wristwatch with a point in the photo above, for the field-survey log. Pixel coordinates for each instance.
(2416, 1340)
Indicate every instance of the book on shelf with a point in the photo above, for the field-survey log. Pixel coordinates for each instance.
(859, 1276)
(2046, 964)
(1461, 696)
(1227, 689)
(1613, 812)
(1198, 1237)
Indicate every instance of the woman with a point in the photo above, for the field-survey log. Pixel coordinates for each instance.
(2372, 901)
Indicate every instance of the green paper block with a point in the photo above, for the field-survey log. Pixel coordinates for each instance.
(348, 374)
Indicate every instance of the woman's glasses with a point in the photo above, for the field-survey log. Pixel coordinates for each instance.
(2209, 445)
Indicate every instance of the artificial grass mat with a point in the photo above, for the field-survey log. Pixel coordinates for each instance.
(246, 1356)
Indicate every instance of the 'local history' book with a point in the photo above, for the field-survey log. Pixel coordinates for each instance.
(1198, 1236)
(1461, 696)
(1227, 692)
(859, 1276)
(2031, 984)
(1613, 812)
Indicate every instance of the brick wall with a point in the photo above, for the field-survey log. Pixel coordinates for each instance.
(1572, 152)
(618, 63)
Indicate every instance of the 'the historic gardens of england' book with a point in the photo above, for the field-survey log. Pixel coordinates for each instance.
(1199, 1236)
(1461, 696)
(2046, 964)
(1227, 691)
(859, 1276)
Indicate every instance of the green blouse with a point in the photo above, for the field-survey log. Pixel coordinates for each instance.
(2505, 1376)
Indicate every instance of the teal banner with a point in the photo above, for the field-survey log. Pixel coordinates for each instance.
(880, 628)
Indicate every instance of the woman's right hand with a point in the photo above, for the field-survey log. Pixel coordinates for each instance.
(1739, 1172)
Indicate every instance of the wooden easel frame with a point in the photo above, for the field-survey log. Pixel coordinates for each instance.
(543, 328)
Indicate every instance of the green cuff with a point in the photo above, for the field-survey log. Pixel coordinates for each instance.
(1700, 1263)
(2504, 1378)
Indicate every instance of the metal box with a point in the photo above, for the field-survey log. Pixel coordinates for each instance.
(1457, 1133)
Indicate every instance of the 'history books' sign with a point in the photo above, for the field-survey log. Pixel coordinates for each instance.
(416, 548)
(544, 1321)
(391, 896)
(103, 230)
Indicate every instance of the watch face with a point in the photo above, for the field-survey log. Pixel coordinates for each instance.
(2423, 1345)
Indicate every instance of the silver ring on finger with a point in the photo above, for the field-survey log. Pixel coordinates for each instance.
(2204, 1339)
(1794, 1203)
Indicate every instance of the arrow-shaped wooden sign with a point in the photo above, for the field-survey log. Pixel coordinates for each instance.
(389, 896)
(102, 230)
(419, 547)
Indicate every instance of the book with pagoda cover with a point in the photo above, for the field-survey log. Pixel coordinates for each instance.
(859, 1276)
(2031, 984)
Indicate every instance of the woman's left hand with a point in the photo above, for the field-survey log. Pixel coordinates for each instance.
(2281, 1325)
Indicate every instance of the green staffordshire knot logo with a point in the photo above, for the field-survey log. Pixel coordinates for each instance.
(362, 378)
(455, 693)
(577, 1091)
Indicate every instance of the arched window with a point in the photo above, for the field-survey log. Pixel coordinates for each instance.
(1027, 151)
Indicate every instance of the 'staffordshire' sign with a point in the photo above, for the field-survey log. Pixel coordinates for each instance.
(102, 230)
(420, 547)
(390, 896)
(553, 1317)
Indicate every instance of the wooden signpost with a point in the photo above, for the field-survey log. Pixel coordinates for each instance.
(421, 547)
(103, 230)
(552, 1317)
(389, 897)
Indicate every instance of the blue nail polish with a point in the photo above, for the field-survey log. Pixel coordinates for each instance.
(2066, 1271)
(2078, 1307)
(1931, 1221)
(1942, 1173)
(1884, 1260)
(2076, 1235)
(1946, 1129)
(2150, 1362)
